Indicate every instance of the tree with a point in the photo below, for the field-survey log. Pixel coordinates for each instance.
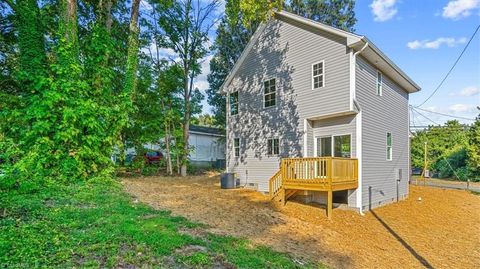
(205, 120)
(336, 13)
(132, 56)
(65, 110)
(473, 149)
(449, 149)
(185, 28)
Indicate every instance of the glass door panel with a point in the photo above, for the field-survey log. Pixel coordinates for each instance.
(342, 146)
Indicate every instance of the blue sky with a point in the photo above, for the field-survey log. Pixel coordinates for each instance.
(424, 38)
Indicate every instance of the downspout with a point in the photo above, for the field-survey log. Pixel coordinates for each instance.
(359, 131)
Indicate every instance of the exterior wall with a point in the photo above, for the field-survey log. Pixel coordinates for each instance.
(382, 114)
(287, 53)
(332, 127)
(206, 148)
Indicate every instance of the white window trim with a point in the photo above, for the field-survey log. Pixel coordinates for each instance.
(323, 75)
(230, 104)
(239, 147)
(379, 93)
(391, 147)
(273, 151)
(263, 92)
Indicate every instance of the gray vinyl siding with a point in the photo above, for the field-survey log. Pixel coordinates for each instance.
(382, 114)
(344, 125)
(285, 52)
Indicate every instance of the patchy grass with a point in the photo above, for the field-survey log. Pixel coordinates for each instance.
(96, 224)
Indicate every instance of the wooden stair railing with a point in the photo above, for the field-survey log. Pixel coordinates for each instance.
(275, 184)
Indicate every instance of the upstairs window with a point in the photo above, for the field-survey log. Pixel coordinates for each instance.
(236, 146)
(318, 76)
(389, 146)
(269, 93)
(273, 147)
(379, 83)
(234, 103)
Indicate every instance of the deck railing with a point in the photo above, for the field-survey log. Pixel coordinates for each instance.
(275, 183)
(319, 170)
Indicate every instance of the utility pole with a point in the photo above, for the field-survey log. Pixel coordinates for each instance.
(425, 167)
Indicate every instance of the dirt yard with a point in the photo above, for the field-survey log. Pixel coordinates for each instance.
(442, 230)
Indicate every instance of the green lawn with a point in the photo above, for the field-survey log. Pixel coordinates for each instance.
(96, 224)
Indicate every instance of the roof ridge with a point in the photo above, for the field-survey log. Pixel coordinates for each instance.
(284, 12)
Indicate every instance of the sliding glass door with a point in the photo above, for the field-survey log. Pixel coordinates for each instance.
(336, 146)
(324, 146)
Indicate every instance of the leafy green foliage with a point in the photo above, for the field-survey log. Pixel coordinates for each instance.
(336, 13)
(66, 111)
(451, 150)
(473, 148)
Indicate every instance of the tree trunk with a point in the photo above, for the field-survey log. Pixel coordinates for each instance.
(186, 124)
(109, 18)
(132, 57)
(31, 41)
(68, 26)
(167, 148)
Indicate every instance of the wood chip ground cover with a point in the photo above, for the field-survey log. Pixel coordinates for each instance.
(440, 231)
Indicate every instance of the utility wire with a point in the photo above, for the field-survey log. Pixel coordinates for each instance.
(425, 117)
(451, 69)
(443, 114)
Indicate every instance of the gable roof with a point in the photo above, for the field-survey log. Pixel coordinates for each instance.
(356, 42)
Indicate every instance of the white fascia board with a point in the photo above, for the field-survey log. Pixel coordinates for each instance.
(377, 57)
(351, 37)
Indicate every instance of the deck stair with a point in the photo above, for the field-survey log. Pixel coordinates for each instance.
(326, 174)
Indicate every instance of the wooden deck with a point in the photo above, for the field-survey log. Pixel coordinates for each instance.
(326, 174)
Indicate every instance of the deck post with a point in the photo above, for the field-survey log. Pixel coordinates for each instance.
(284, 196)
(329, 204)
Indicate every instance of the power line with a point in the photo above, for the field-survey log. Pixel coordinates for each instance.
(451, 69)
(443, 114)
(425, 116)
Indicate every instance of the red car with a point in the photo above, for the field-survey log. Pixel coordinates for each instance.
(153, 157)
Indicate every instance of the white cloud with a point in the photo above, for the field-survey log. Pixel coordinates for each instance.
(383, 10)
(144, 4)
(462, 108)
(468, 92)
(435, 44)
(456, 9)
(201, 80)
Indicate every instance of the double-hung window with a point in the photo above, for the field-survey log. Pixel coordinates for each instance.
(236, 146)
(234, 103)
(273, 147)
(318, 75)
(269, 93)
(379, 83)
(389, 146)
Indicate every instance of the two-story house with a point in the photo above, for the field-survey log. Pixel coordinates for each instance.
(318, 111)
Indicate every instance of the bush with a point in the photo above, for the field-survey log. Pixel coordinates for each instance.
(454, 161)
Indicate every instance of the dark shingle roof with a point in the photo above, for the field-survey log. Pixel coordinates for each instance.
(207, 130)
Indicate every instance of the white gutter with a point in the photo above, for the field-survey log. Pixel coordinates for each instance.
(358, 126)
